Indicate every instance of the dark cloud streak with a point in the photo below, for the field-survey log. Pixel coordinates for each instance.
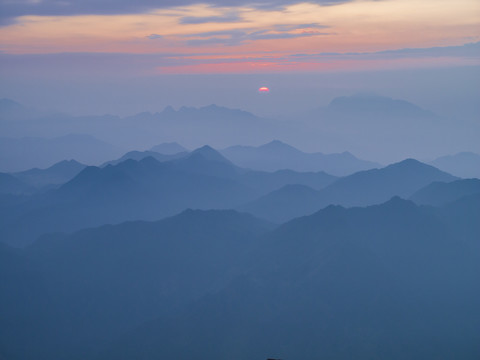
(229, 18)
(9, 10)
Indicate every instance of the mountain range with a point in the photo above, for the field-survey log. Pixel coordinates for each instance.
(360, 189)
(364, 123)
(349, 123)
(56, 174)
(440, 193)
(340, 283)
(277, 155)
(202, 179)
(143, 190)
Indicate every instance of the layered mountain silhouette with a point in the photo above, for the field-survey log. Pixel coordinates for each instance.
(215, 125)
(441, 193)
(56, 174)
(132, 190)
(139, 155)
(250, 252)
(353, 123)
(203, 179)
(464, 164)
(360, 189)
(145, 189)
(277, 155)
(342, 283)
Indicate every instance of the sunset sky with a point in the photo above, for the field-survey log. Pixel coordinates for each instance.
(118, 39)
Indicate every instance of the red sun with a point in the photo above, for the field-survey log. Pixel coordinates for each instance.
(264, 89)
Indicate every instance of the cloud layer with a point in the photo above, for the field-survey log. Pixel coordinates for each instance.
(9, 10)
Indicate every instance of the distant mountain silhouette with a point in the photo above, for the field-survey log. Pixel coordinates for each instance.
(88, 288)
(12, 110)
(215, 125)
(132, 190)
(340, 284)
(360, 189)
(464, 164)
(169, 148)
(56, 174)
(378, 185)
(363, 124)
(20, 154)
(210, 154)
(209, 162)
(376, 106)
(139, 155)
(277, 155)
(212, 124)
(440, 193)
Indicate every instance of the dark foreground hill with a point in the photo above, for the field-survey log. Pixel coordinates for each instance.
(68, 294)
(392, 281)
(389, 281)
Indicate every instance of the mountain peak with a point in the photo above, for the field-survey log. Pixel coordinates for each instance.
(278, 145)
(415, 165)
(210, 154)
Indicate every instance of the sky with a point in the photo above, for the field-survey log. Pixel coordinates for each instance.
(85, 56)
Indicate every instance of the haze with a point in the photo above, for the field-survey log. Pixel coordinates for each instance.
(239, 179)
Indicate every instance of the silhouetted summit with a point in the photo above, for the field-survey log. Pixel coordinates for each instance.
(210, 154)
(378, 185)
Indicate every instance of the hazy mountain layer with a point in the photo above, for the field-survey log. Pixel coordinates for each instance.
(360, 189)
(56, 174)
(277, 155)
(465, 164)
(440, 193)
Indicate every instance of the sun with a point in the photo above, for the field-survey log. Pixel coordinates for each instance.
(264, 89)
